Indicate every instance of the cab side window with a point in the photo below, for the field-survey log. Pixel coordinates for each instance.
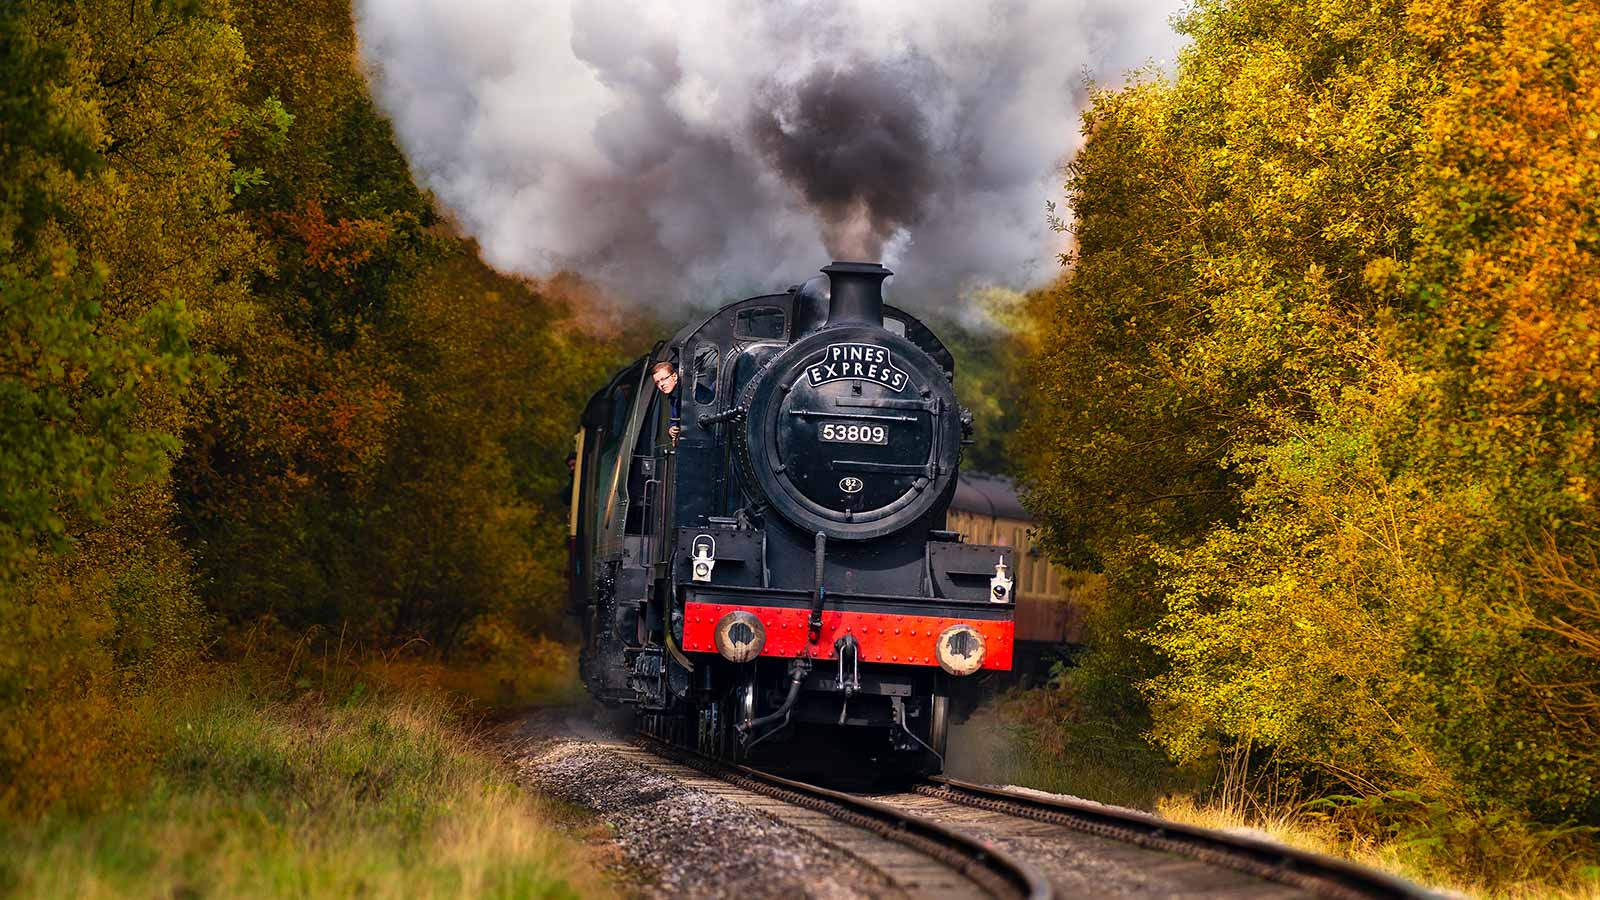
(706, 366)
(761, 323)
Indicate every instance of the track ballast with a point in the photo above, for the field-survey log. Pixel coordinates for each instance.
(992, 835)
(979, 868)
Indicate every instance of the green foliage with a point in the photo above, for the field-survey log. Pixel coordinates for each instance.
(109, 128)
(384, 452)
(248, 376)
(377, 796)
(1325, 384)
(991, 376)
(70, 376)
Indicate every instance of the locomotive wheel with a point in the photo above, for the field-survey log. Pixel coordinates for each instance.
(939, 725)
(712, 724)
(743, 708)
(719, 732)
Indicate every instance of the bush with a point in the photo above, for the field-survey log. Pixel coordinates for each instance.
(248, 375)
(1325, 404)
(375, 795)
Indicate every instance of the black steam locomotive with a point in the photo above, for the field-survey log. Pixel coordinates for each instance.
(758, 514)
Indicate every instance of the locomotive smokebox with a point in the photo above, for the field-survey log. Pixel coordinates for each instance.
(856, 293)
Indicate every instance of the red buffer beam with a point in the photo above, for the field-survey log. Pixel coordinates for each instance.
(883, 637)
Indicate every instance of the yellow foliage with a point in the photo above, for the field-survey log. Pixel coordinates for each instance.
(1325, 411)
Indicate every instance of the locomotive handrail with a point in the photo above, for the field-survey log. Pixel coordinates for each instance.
(727, 415)
(883, 403)
(858, 417)
(800, 598)
(860, 465)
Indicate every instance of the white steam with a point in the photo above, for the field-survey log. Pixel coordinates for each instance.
(696, 150)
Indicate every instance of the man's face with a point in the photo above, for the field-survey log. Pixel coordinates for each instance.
(666, 380)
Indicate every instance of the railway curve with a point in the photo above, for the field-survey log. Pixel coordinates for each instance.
(981, 868)
(696, 826)
(1315, 874)
(1068, 847)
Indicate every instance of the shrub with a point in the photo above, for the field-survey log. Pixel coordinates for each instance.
(1325, 403)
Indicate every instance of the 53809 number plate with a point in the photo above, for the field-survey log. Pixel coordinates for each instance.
(853, 433)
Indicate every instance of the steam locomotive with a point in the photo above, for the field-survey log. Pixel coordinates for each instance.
(760, 556)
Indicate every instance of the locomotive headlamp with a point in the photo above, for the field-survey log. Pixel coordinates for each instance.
(740, 636)
(704, 558)
(1000, 585)
(960, 649)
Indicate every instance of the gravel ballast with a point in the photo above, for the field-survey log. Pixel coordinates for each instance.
(685, 834)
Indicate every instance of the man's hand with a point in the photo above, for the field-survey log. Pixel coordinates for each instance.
(673, 432)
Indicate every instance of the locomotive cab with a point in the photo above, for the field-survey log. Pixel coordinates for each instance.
(781, 573)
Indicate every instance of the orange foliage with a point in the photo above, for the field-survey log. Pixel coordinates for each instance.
(1516, 137)
(336, 248)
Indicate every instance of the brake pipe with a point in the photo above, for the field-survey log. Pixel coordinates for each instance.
(819, 593)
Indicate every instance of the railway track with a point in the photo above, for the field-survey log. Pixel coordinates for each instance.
(1010, 843)
(1180, 860)
(923, 857)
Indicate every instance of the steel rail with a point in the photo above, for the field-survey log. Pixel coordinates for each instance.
(997, 872)
(1324, 876)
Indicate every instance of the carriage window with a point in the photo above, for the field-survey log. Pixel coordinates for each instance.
(705, 375)
(621, 407)
(607, 470)
(760, 322)
(894, 326)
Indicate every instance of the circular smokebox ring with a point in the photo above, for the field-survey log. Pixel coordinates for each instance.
(927, 477)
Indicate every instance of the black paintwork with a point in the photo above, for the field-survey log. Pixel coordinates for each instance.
(754, 469)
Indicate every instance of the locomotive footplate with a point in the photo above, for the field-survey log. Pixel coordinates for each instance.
(905, 631)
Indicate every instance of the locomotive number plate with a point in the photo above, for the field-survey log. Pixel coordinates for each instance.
(853, 433)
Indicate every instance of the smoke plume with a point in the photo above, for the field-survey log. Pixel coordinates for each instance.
(698, 150)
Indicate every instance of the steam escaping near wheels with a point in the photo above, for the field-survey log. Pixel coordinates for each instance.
(707, 148)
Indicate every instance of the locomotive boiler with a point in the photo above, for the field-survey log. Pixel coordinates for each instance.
(760, 555)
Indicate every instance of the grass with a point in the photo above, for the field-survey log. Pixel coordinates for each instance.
(1040, 739)
(1131, 780)
(1542, 877)
(370, 795)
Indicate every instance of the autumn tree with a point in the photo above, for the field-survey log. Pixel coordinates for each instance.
(1324, 398)
(378, 454)
(115, 119)
(248, 377)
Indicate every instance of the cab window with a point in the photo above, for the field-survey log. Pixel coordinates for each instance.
(706, 365)
(761, 323)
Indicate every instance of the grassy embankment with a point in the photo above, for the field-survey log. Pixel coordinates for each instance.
(311, 784)
(1098, 762)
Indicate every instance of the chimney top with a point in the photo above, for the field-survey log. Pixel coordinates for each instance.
(856, 294)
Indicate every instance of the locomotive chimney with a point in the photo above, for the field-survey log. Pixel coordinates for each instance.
(856, 293)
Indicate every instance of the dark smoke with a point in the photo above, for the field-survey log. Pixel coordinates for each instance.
(699, 149)
(855, 144)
